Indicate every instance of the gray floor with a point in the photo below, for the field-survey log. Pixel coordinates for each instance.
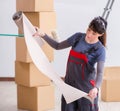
(8, 99)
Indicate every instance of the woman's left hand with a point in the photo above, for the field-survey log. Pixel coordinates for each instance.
(39, 32)
(93, 93)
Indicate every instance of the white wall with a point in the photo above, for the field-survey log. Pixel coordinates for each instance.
(72, 16)
(7, 44)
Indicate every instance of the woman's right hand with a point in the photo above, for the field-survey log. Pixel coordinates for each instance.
(39, 32)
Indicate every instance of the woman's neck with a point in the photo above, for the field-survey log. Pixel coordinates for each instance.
(90, 41)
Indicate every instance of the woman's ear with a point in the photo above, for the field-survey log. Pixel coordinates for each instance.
(101, 34)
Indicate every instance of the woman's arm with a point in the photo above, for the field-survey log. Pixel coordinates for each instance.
(99, 76)
(56, 45)
(100, 68)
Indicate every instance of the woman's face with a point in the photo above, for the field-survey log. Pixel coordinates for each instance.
(91, 35)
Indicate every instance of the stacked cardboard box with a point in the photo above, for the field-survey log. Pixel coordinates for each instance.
(35, 5)
(35, 91)
(35, 98)
(110, 87)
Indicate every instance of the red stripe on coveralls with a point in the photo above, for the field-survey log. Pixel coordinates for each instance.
(79, 55)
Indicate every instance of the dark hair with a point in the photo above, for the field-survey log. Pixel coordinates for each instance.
(99, 25)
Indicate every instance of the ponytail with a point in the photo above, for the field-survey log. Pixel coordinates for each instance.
(102, 39)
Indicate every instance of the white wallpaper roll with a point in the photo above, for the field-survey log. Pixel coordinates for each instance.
(42, 63)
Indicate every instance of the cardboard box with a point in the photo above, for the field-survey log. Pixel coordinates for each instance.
(34, 5)
(113, 71)
(27, 74)
(110, 91)
(22, 53)
(46, 21)
(36, 98)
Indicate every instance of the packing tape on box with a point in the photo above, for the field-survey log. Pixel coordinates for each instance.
(42, 63)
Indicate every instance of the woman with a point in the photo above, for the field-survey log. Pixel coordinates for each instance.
(87, 50)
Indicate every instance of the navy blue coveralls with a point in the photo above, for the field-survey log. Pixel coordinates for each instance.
(80, 75)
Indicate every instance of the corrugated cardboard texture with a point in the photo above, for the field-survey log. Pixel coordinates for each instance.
(36, 98)
(34, 5)
(110, 91)
(22, 53)
(27, 74)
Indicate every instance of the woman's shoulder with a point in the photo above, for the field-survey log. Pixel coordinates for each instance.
(101, 53)
(101, 49)
(101, 46)
(80, 34)
(76, 37)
